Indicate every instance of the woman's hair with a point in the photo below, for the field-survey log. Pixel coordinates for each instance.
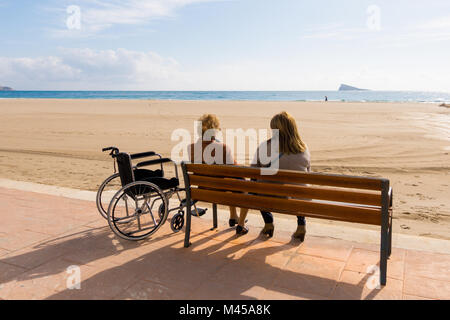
(209, 121)
(290, 141)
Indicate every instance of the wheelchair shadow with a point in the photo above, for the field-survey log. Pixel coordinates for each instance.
(209, 269)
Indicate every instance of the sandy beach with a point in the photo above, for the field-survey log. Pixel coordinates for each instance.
(58, 142)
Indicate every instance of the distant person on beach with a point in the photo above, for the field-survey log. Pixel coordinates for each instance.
(294, 155)
(326, 98)
(211, 123)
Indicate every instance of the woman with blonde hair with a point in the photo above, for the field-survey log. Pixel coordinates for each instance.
(293, 155)
(212, 151)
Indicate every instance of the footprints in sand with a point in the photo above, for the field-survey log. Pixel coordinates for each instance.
(418, 195)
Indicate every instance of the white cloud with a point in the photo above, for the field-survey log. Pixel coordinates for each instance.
(87, 69)
(435, 30)
(437, 23)
(340, 34)
(122, 69)
(99, 15)
(36, 69)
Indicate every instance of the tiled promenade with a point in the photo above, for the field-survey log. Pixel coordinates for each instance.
(42, 235)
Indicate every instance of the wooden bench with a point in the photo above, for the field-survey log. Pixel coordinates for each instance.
(325, 196)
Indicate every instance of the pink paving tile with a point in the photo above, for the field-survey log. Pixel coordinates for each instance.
(204, 248)
(246, 272)
(306, 284)
(52, 226)
(276, 293)
(104, 282)
(229, 234)
(345, 291)
(326, 248)
(272, 253)
(20, 239)
(311, 275)
(89, 256)
(362, 260)
(410, 297)
(226, 291)
(4, 252)
(41, 282)
(428, 265)
(316, 266)
(369, 280)
(146, 290)
(31, 257)
(427, 288)
(188, 274)
(396, 252)
(9, 272)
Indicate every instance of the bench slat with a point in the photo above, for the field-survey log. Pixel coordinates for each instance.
(304, 192)
(287, 176)
(290, 206)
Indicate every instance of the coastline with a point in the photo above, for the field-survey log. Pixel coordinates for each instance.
(240, 95)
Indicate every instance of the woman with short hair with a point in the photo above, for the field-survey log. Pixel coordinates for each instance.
(210, 124)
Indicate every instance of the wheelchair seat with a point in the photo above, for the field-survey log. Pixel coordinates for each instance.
(142, 174)
(163, 183)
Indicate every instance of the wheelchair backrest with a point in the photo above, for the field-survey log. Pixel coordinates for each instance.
(125, 168)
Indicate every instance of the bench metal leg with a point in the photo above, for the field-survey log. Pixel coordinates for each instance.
(214, 216)
(384, 255)
(390, 237)
(385, 232)
(187, 234)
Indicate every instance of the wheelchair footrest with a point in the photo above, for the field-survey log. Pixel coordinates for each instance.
(200, 211)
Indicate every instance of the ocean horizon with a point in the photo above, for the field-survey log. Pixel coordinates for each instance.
(343, 96)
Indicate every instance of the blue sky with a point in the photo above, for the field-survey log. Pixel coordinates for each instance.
(225, 45)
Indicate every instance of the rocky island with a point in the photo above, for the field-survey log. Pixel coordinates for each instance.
(5, 88)
(345, 87)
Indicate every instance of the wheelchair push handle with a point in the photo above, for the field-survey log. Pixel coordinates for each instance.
(113, 150)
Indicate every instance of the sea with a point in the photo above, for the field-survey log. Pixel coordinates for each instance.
(344, 96)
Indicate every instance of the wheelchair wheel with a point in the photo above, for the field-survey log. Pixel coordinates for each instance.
(105, 193)
(133, 211)
(177, 222)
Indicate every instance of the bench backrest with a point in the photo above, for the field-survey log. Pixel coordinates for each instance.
(326, 196)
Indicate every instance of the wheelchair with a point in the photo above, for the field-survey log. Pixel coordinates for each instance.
(135, 201)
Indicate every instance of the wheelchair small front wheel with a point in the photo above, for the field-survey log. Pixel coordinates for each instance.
(133, 211)
(162, 209)
(177, 222)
